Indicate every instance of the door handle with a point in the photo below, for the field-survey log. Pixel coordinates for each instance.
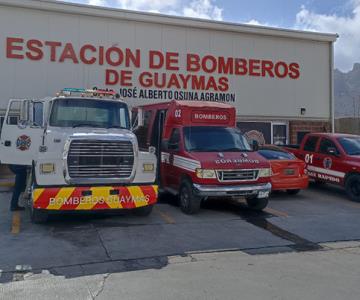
(7, 143)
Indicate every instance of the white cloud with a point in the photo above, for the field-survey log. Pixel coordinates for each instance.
(348, 27)
(204, 9)
(147, 5)
(98, 2)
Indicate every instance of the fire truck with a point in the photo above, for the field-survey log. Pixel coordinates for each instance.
(80, 154)
(201, 153)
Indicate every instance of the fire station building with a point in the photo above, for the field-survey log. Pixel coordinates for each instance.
(280, 81)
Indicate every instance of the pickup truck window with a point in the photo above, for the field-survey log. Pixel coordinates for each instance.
(310, 144)
(325, 144)
(351, 145)
(89, 113)
(210, 139)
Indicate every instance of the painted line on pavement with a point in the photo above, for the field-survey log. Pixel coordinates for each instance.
(167, 218)
(16, 221)
(275, 212)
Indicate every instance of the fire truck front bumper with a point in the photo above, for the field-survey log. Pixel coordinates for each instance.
(80, 198)
(256, 190)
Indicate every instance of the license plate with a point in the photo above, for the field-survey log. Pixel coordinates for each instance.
(289, 171)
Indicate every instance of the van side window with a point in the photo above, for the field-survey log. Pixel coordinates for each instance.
(174, 139)
(325, 144)
(310, 144)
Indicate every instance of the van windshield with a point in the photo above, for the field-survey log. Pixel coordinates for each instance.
(210, 139)
(89, 113)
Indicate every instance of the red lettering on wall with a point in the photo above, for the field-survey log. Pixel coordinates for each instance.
(68, 53)
(294, 70)
(267, 68)
(192, 63)
(83, 58)
(111, 77)
(110, 56)
(172, 60)
(156, 59)
(12, 45)
(53, 46)
(254, 67)
(35, 52)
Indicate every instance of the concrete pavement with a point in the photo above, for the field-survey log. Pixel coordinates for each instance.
(332, 273)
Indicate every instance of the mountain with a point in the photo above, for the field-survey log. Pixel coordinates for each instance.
(347, 92)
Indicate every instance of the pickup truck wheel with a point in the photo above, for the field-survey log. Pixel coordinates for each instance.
(352, 187)
(256, 203)
(189, 203)
(38, 216)
(293, 192)
(143, 211)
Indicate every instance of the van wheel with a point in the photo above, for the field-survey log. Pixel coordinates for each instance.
(352, 187)
(143, 211)
(256, 203)
(38, 216)
(293, 192)
(189, 203)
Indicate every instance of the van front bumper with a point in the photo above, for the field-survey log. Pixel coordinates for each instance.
(256, 190)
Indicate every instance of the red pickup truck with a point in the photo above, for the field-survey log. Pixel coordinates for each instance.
(202, 154)
(332, 158)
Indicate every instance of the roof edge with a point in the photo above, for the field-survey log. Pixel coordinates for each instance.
(115, 13)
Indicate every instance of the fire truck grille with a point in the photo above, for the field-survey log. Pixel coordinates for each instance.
(100, 159)
(237, 175)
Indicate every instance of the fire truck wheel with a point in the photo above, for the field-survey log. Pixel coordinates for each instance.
(256, 203)
(352, 187)
(293, 192)
(189, 203)
(143, 211)
(38, 216)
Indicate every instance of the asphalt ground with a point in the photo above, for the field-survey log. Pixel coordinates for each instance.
(79, 245)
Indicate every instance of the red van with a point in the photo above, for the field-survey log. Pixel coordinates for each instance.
(202, 154)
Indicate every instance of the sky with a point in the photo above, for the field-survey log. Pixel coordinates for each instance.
(330, 16)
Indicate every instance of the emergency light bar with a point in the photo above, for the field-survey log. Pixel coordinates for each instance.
(87, 92)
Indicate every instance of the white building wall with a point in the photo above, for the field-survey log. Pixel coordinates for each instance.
(255, 96)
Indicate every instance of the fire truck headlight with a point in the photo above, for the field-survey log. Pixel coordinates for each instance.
(265, 172)
(148, 167)
(47, 168)
(204, 173)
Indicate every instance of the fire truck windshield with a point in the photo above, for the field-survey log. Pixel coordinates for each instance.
(210, 139)
(69, 112)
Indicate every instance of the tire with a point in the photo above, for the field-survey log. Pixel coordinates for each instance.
(143, 211)
(352, 187)
(293, 192)
(189, 203)
(256, 203)
(38, 216)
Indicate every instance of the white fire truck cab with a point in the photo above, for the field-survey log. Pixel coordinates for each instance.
(80, 154)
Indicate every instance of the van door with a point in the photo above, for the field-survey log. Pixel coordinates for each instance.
(171, 172)
(156, 137)
(20, 141)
